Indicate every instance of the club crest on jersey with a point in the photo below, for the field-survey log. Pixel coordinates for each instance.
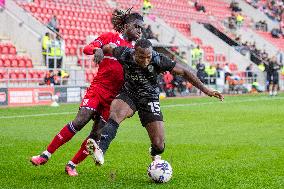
(85, 102)
(150, 68)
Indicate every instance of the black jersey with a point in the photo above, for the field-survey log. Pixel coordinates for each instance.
(272, 67)
(142, 82)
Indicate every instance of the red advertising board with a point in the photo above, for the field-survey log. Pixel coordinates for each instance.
(30, 96)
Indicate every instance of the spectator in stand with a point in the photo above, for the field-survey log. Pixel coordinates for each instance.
(63, 76)
(183, 57)
(232, 22)
(148, 33)
(147, 6)
(57, 52)
(235, 6)
(201, 74)
(249, 74)
(169, 87)
(264, 55)
(199, 7)
(161, 83)
(281, 24)
(180, 83)
(227, 71)
(218, 69)
(50, 79)
(196, 54)
(53, 24)
(261, 25)
(276, 33)
(279, 57)
(240, 19)
(272, 8)
(211, 73)
(46, 43)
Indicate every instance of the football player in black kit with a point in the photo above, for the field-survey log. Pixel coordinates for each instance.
(140, 92)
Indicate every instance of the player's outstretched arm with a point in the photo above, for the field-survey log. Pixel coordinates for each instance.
(193, 79)
(94, 49)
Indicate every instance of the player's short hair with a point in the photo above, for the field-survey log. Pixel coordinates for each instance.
(120, 18)
(143, 43)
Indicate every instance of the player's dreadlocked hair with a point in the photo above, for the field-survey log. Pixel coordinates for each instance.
(120, 18)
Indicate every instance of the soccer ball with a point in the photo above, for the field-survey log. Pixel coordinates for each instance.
(160, 171)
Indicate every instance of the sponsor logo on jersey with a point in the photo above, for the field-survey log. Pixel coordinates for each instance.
(85, 102)
(150, 68)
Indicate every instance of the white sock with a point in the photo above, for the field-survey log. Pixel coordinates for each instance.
(270, 93)
(71, 163)
(47, 154)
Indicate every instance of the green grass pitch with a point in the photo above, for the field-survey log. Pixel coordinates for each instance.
(238, 143)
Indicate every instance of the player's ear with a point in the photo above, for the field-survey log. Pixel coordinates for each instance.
(126, 26)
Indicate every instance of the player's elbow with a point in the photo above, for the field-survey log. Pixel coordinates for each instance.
(87, 50)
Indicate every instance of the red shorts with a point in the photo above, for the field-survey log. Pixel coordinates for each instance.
(97, 102)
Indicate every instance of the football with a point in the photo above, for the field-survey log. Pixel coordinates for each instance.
(160, 171)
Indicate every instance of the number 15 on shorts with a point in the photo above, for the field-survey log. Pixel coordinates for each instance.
(155, 107)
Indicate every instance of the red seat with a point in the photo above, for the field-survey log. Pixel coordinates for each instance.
(5, 50)
(28, 63)
(7, 63)
(14, 63)
(41, 74)
(13, 75)
(22, 75)
(22, 63)
(1, 63)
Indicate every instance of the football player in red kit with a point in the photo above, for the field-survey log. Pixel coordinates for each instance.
(103, 89)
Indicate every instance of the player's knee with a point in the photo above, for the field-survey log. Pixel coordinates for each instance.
(78, 124)
(118, 116)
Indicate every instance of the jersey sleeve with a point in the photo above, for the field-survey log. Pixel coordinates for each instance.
(97, 43)
(120, 53)
(164, 63)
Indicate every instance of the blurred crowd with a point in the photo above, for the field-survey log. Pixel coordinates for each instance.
(53, 51)
(272, 8)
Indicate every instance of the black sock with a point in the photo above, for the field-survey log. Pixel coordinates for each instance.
(156, 151)
(108, 134)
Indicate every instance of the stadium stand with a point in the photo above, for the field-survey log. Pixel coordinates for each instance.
(77, 20)
(9, 59)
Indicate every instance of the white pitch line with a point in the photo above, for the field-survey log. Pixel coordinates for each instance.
(227, 102)
(36, 115)
(164, 106)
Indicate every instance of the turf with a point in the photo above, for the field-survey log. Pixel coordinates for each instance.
(235, 144)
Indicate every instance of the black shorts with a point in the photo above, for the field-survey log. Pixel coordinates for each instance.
(148, 108)
(273, 77)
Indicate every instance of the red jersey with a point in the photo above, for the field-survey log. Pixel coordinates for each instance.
(109, 78)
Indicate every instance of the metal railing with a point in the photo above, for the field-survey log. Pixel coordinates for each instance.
(31, 77)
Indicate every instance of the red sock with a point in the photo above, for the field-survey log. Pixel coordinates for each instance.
(81, 154)
(61, 138)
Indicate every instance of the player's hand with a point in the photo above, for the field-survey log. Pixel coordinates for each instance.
(107, 49)
(98, 56)
(216, 94)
